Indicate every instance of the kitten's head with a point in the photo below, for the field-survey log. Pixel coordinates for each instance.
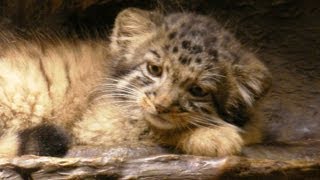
(182, 70)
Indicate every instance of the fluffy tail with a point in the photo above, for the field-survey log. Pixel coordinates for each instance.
(41, 140)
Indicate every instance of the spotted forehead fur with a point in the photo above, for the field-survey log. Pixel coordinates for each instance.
(194, 44)
(199, 36)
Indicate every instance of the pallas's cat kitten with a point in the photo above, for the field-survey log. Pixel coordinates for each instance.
(177, 80)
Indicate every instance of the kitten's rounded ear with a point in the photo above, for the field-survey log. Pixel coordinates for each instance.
(246, 81)
(133, 25)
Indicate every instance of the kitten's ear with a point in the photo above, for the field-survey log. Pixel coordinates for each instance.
(247, 81)
(132, 26)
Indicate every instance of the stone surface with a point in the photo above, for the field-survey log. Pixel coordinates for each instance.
(294, 160)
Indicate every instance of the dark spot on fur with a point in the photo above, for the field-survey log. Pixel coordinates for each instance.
(167, 47)
(198, 60)
(172, 35)
(186, 44)
(196, 49)
(184, 60)
(213, 54)
(175, 49)
(44, 140)
(155, 53)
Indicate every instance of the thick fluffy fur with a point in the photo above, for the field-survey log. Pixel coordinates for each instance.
(46, 83)
(179, 80)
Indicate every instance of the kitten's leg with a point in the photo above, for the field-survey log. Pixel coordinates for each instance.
(212, 141)
(44, 140)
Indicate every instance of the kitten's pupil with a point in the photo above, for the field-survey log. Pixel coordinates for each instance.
(154, 70)
(197, 91)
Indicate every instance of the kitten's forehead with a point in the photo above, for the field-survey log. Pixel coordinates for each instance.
(191, 45)
(193, 38)
(191, 42)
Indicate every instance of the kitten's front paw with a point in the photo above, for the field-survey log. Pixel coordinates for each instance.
(213, 141)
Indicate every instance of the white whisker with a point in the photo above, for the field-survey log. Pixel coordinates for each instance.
(203, 120)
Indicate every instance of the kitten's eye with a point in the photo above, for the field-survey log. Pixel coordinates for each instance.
(154, 69)
(197, 91)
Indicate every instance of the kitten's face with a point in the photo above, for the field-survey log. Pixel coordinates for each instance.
(169, 92)
(174, 79)
(182, 70)
(173, 89)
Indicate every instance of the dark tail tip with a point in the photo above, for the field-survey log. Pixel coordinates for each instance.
(44, 140)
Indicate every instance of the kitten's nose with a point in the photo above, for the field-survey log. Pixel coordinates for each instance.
(161, 109)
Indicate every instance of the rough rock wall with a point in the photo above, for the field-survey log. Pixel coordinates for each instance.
(285, 34)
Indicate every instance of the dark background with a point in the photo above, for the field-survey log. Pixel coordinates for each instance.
(284, 33)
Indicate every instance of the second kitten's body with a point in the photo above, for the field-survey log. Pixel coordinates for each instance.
(46, 84)
(180, 80)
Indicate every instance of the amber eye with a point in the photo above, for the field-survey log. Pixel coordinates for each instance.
(154, 69)
(197, 91)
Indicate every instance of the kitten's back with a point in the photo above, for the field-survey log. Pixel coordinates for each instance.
(46, 81)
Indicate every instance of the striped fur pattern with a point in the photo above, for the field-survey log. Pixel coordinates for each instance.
(44, 83)
(179, 80)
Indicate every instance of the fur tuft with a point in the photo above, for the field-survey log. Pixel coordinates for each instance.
(9, 144)
(44, 140)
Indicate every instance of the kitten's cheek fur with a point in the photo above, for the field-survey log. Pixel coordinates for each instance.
(215, 141)
(158, 122)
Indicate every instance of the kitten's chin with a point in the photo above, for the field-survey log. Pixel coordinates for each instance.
(158, 122)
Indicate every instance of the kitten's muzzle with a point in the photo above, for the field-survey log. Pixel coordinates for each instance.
(166, 109)
(161, 109)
